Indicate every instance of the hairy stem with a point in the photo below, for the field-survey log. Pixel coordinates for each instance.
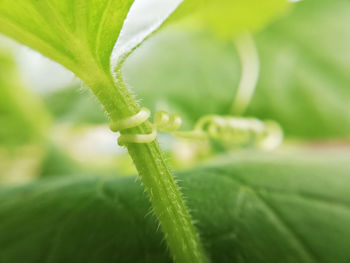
(162, 190)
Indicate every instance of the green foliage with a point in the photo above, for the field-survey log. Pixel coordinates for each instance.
(259, 208)
(304, 72)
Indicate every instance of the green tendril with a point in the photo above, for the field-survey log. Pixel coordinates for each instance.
(167, 122)
(130, 122)
(266, 135)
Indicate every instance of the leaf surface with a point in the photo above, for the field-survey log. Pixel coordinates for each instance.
(250, 208)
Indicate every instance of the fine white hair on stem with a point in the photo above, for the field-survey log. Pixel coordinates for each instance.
(250, 68)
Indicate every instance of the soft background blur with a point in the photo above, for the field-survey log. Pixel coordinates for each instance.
(51, 125)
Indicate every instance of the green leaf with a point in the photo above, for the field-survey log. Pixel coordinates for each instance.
(251, 208)
(78, 34)
(228, 18)
(303, 82)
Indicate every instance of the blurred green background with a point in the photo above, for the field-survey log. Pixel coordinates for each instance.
(51, 125)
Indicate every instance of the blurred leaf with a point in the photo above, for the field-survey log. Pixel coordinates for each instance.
(75, 106)
(305, 73)
(24, 127)
(257, 208)
(227, 18)
(56, 162)
(23, 119)
(305, 60)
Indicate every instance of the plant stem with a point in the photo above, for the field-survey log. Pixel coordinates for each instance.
(162, 190)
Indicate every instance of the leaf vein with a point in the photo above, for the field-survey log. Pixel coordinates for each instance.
(303, 248)
(99, 29)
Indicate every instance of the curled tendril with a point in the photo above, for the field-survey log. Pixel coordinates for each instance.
(230, 130)
(131, 122)
(166, 122)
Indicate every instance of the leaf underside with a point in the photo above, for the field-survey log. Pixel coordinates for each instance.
(259, 208)
(78, 34)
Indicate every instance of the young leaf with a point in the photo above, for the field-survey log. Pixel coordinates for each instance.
(258, 208)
